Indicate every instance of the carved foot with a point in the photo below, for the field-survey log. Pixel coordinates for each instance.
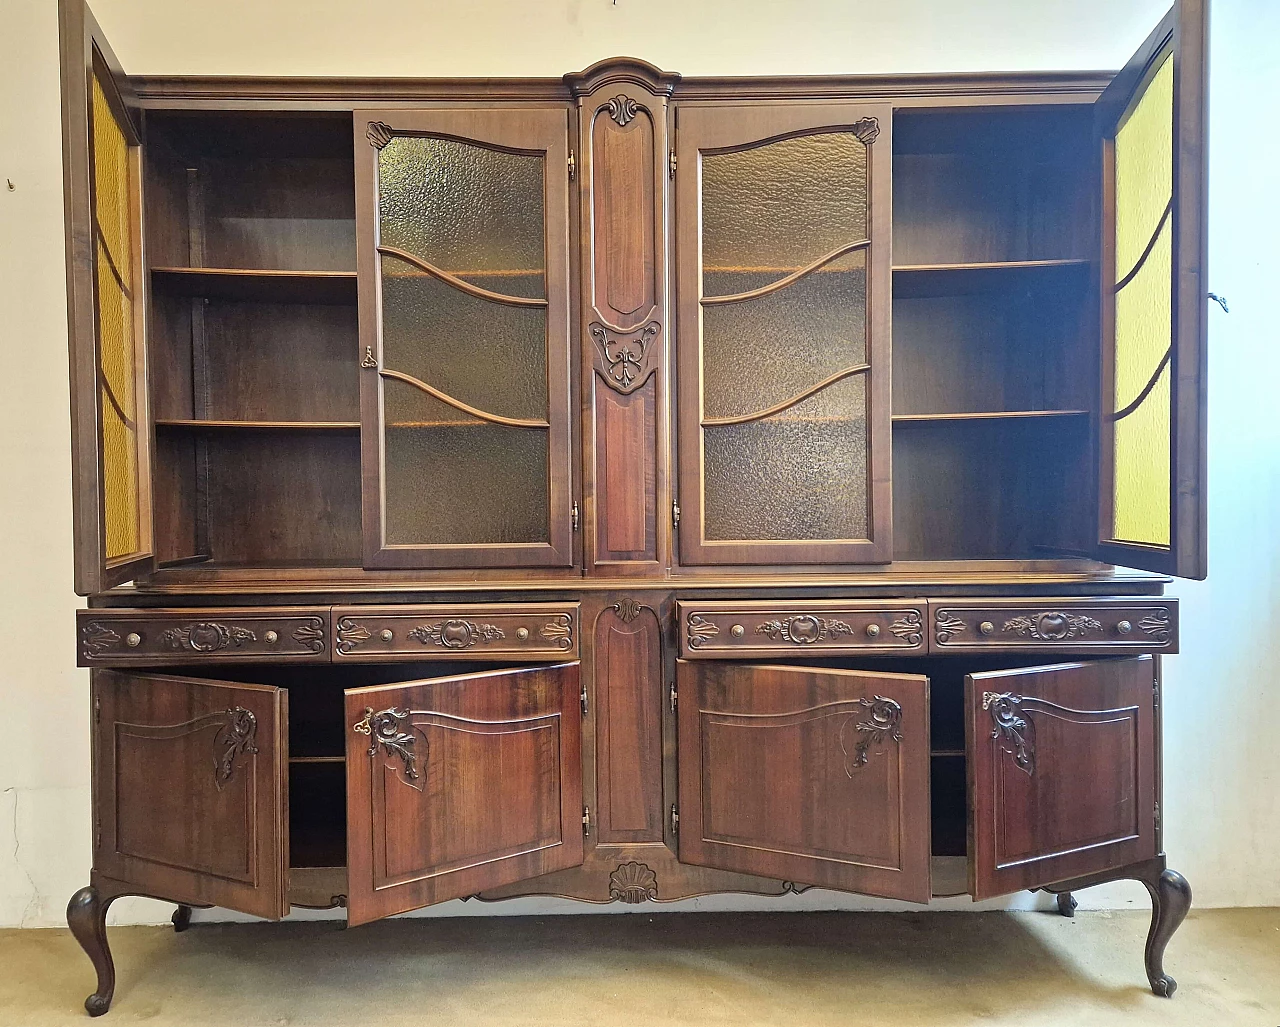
(1067, 904)
(1170, 900)
(87, 918)
(181, 919)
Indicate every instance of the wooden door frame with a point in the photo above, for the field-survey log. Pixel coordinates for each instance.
(541, 129)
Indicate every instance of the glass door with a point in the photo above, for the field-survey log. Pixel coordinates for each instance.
(462, 226)
(784, 276)
(1154, 302)
(110, 423)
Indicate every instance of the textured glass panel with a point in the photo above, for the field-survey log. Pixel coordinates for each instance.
(465, 209)
(116, 374)
(762, 351)
(453, 480)
(800, 474)
(1144, 315)
(488, 355)
(774, 208)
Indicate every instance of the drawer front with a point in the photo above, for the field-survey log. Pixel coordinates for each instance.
(461, 632)
(818, 627)
(1054, 625)
(132, 638)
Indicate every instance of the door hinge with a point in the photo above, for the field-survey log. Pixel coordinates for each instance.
(671, 693)
(675, 513)
(573, 167)
(1157, 816)
(671, 163)
(675, 819)
(586, 821)
(97, 709)
(582, 697)
(573, 515)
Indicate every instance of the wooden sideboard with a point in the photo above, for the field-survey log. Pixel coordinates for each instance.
(631, 487)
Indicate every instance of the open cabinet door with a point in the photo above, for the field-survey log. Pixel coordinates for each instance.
(189, 790)
(1062, 772)
(110, 423)
(806, 774)
(1154, 135)
(459, 784)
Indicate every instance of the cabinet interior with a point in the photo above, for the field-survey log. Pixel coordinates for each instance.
(253, 338)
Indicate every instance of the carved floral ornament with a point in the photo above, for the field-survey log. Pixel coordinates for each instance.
(625, 360)
(234, 739)
(384, 729)
(1012, 726)
(804, 629)
(1052, 626)
(97, 638)
(456, 634)
(310, 633)
(882, 720)
(206, 637)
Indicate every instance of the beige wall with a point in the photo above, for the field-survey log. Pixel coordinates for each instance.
(1223, 710)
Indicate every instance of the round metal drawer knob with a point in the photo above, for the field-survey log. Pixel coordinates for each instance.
(873, 630)
(271, 638)
(737, 631)
(522, 633)
(987, 628)
(133, 640)
(1124, 627)
(386, 634)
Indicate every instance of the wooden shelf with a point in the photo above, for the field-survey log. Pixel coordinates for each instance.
(947, 753)
(260, 285)
(985, 415)
(198, 424)
(911, 280)
(317, 759)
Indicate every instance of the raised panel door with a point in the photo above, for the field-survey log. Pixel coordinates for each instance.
(459, 784)
(812, 775)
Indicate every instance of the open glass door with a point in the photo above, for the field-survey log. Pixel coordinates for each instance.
(806, 774)
(110, 424)
(459, 784)
(1154, 129)
(462, 220)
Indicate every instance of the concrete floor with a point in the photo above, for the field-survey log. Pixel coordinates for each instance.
(713, 970)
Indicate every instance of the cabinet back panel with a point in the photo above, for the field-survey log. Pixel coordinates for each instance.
(1020, 489)
(170, 353)
(282, 361)
(174, 497)
(1022, 347)
(317, 814)
(971, 186)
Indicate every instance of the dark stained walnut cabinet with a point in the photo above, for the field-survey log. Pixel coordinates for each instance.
(629, 487)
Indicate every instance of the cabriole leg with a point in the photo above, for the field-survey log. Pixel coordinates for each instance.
(1067, 903)
(181, 919)
(87, 918)
(1170, 900)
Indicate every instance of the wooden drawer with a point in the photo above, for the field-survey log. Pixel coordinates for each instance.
(132, 638)
(470, 632)
(1054, 625)
(816, 627)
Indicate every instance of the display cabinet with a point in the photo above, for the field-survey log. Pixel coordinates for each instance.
(627, 487)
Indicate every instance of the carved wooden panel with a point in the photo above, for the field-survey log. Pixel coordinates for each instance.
(628, 716)
(820, 627)
(815, 776)
(189, 795)
(1062, 768)
(456, 632)
(1058, 625)
(622, 116)
(459, 784)
(124, 638)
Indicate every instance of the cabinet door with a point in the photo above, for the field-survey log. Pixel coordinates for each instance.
(1154, 119)
(459, 784)
(110, 423)
(811, 775)
(1062, 769)
(783, 263)
(190, 781)
(462, 220)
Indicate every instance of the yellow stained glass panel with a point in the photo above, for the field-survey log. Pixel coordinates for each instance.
(116, 367)
(1144, 315)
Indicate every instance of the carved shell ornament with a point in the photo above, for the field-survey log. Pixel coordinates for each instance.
(622, 109)
(633, 882)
